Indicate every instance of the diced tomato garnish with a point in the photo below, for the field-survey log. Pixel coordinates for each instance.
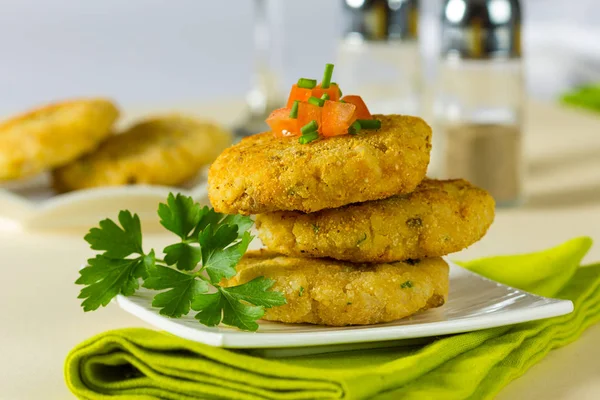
(337, 118)
(362, 112)
(333, 91)
(298, 93)
(282, 125)
(308, 112)
(334, 118)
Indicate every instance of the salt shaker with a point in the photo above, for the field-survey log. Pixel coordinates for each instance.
(378, 54)
(480, 96)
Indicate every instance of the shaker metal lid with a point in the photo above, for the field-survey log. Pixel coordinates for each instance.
(479, 29)
(382, 20)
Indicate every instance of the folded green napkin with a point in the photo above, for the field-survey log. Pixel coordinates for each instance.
(145, 364)
(587, 97)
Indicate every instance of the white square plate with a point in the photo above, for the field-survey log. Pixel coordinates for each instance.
(473, 303)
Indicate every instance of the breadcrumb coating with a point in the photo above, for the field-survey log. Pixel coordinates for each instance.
(438, 218)
(337, 293)
(265, 174)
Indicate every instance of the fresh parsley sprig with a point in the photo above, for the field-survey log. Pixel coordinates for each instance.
(209, 248)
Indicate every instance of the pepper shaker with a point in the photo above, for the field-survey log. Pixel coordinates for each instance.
(479, 121)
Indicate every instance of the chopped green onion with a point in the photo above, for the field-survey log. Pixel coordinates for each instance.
(369, 123)
(310, 127)
(309, 137)
(342, 101)
(316, 101)
(306, 83)
(354, 128)
(327, 76)
(294, 112)
(309, 132)
(339, 90)
(406, 285)
(325, 96)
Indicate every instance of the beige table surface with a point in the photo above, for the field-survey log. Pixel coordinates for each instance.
(41, 319)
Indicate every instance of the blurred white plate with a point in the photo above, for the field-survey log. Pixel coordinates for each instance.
(32, 204)
(474, 303)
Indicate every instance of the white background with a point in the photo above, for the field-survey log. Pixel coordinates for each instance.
(152, 52)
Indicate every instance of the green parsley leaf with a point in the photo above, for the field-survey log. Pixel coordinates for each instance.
(180, 215)
(238, 306)
(209, 307)
(238, 314)
(222, 306)
(208, 216)
(218, 240)
(256, 292)
(214, 237)
(183, 289)
(107, 277)
(219, 258)
(243, 222)
(117, 242)
(183, 255)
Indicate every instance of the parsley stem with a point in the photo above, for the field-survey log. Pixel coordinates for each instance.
(199, 274)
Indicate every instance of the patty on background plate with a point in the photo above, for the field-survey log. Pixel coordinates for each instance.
(162, 150)
(53, 135)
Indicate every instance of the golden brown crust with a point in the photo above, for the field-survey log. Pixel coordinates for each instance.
(438, 218)
(264, 174)
(337, 293)
(164, 150)
(53, 135)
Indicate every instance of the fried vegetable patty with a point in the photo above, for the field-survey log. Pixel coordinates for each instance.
(165, 150)
(53, 135)
(264, 174)
(337, 293)
(438, 218)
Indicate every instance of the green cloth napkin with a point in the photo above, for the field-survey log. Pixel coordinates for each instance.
(587, 97)
(145, 364)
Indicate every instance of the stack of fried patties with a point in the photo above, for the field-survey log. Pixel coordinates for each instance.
(353, 229)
